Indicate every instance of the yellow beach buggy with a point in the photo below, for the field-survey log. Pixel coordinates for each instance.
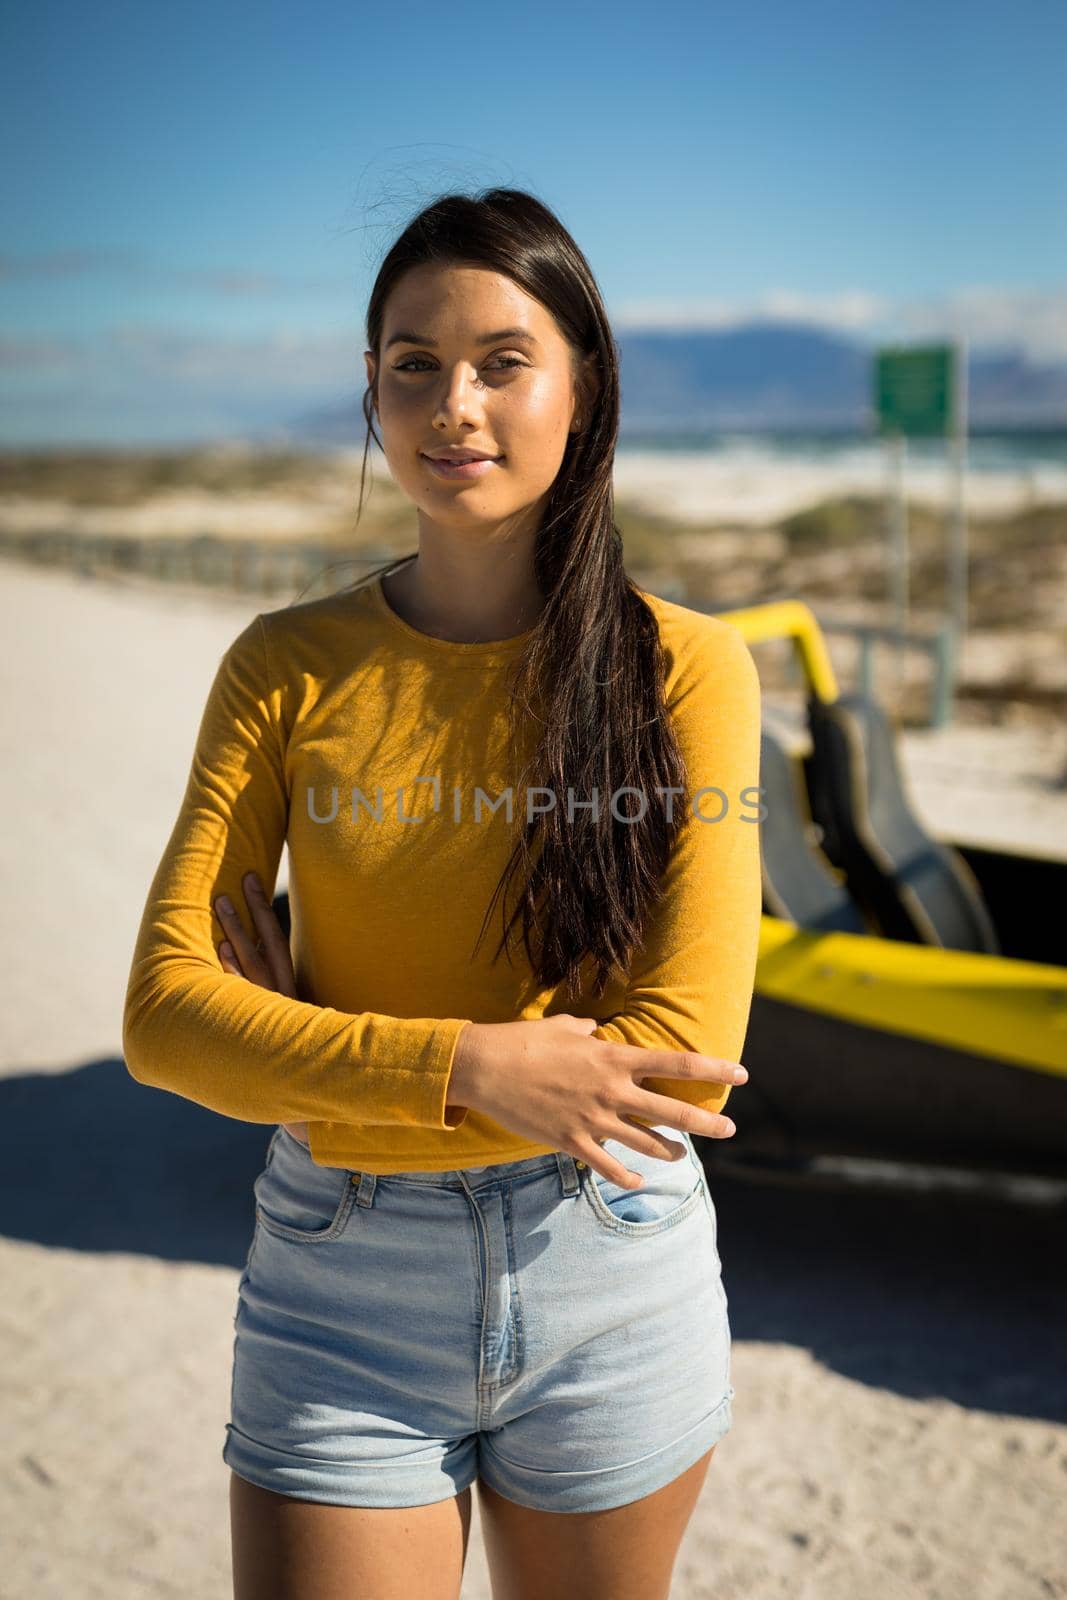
(909, 1022)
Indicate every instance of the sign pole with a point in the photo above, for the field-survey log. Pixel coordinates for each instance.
(921, 392)
(898, 455)
(957, 552)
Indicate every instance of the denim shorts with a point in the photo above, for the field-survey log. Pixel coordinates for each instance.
(531, 1324)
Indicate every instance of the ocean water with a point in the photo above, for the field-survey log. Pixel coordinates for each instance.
(987, 451)
(754, 478)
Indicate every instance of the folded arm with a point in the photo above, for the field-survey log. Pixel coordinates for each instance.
(213, 1037)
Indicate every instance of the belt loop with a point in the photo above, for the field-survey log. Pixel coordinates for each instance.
(570, 1183)
(367, 1183)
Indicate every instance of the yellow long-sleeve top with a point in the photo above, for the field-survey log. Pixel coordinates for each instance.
(318, 715)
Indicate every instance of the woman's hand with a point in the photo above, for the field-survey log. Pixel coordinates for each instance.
(268, 963)
(547, 1080)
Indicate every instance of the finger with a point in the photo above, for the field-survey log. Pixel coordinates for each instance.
(681, 1064)
(648, 1141)
(228, 960)
(253, 966)
(273, 942)
(599, 1161)
(680, 1114)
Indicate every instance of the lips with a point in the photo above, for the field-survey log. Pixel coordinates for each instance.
(461, 457)
(464, 470)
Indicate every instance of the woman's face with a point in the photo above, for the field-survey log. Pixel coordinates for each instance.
(452, 374)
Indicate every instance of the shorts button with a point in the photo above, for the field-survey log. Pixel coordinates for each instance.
(580, 1165)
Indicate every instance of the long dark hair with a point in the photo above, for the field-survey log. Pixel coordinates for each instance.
(591, 674)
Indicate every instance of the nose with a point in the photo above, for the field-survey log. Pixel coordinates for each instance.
(458, 396)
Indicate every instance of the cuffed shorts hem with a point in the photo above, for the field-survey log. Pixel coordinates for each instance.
(380, 1485)
(391, 1483)
(603, 1488)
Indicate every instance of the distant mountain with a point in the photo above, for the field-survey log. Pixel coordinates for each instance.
(768, 377)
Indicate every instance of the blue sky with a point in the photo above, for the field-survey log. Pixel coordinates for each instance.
(195, 196)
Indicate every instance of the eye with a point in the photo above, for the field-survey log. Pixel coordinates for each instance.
(406, 365)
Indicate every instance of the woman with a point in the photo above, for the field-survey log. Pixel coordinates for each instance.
(485, 1248)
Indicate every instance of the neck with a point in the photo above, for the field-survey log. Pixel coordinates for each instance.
(467, 597)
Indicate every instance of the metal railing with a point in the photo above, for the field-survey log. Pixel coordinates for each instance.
(269, 567)
(937, 641)
(282, 567)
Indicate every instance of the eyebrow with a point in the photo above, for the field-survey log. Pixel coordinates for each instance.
(486, 338)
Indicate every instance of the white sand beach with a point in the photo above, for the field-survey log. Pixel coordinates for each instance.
(747, 483)
(901, 1413)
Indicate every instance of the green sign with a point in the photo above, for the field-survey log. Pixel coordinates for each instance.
(913, 387)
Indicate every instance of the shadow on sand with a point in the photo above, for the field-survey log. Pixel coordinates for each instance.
(922, 1294)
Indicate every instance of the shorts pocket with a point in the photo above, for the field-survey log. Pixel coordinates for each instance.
(298, 1200)
(670, 1190)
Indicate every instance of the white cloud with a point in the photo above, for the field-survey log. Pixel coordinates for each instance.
(1032, 321)
(235, 282)
(287, 358)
